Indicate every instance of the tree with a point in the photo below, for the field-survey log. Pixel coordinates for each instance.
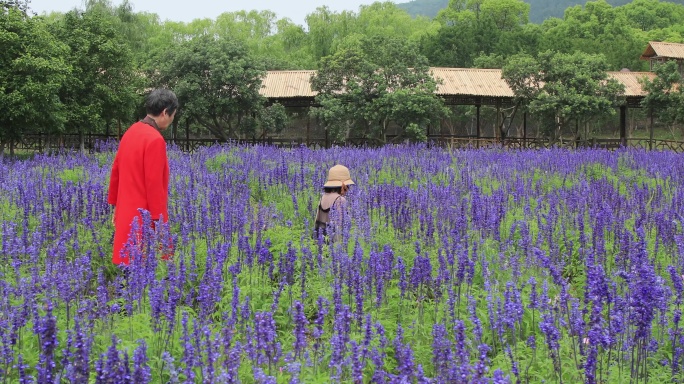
(103, 83)
(279, 44)
(270, 119)
(523, 39)
(652, 14)
(462, 37)
(506, 14)
(474, 28)
(217, 83)
(294, 43)
(326, 28)
(32, 68)
(388, 20)
(596, 28)
(560, 88)
(140, 31)
(363, 90)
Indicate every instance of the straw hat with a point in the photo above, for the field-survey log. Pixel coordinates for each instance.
(337, 176)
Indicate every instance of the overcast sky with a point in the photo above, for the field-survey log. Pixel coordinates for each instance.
(177, 10)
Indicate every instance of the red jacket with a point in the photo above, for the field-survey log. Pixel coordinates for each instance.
(139, 179)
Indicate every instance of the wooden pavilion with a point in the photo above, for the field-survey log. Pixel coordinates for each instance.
(659, 52)
(459, 86)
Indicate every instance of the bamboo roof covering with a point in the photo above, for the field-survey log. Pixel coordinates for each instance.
(663, 50)
(632, 81)
(456, 82)
(287, 84)
(472, 82)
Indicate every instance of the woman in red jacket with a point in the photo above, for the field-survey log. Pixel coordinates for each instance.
(140, 173)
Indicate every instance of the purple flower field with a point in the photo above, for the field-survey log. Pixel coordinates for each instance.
(473, 266)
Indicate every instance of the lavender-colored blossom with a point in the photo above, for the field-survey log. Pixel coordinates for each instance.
(442, 358)
(170, 367)
(357, 363)
(301, 324)
(141, 370)
(267, 347)
(401, 270)
(47, 334)
(188, 350)
(489, 221)
(24, 378)
(404, 357)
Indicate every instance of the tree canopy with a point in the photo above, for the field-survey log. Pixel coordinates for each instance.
(98, 62)
(540, 10)
(217, 83)
(32, 70)
(559, 88)
(665, 96)
(364, 89)
(102, 80)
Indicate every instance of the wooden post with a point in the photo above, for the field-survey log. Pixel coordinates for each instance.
(479, 129)
(497, 131)
(586, 131)
(187, 135)
(623, 125)
(650, 131)
(308, 129)
(173, 133)
(525, 128)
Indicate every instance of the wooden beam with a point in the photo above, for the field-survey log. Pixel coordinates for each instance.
(497, 133)
(650, 131)
(479, 130)
(623, 125)
(525, 128)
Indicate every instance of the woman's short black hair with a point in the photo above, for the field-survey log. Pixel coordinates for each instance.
(332, 189)
(159, 100)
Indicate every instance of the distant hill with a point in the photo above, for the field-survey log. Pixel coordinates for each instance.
(540, 10)
(427, 8)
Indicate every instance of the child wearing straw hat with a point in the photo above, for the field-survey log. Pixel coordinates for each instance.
(334, 189)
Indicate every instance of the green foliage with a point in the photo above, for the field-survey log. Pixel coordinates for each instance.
(217, 163)
(329, 30)
(560, 88)
(32, 70)
(428, 8)
(217, 82)
(72, 175)
(596, 28)
(273, 119)
(95, 56)
(506, 14)
(541, 10)
(325, 28)
(416, 312)
(380, 81)
(102, 81)
(462, 37)
(665, 98)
